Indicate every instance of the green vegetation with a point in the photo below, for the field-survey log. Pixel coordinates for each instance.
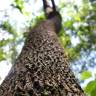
(77, 35)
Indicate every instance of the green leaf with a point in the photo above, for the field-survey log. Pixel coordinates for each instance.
(77, 17)
(7, 26)
(5, 42)
(91, 86)
(86, 75)
(2, 57)
(68, 23)
(93, 93)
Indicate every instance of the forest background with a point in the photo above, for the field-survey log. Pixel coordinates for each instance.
(77, 35)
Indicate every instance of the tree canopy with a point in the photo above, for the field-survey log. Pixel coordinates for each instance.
(77, 35)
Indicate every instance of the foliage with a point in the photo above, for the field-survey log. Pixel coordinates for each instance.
(77, 35)
(86, 75)
(91, 88)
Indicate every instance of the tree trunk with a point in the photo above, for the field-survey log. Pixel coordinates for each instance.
(42, 69)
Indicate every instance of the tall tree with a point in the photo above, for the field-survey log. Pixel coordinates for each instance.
(42, 69)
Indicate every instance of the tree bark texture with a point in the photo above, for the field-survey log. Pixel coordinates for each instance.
(42, 69)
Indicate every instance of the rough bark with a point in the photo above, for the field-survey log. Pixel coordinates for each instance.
(42, 69)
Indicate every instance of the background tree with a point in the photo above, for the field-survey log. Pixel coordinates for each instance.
(78, 24)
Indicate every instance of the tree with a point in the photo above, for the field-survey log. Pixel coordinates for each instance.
(42, 69)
